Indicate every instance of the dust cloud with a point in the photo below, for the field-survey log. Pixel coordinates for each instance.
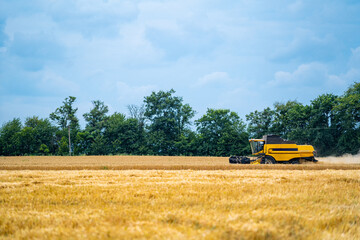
(347, 159)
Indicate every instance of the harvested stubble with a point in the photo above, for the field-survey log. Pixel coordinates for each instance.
(150, 162)
(187, 204)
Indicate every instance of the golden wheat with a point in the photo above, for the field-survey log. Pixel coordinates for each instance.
(161, 204)
(151, 162)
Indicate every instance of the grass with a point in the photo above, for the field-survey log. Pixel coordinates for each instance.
(186, 204)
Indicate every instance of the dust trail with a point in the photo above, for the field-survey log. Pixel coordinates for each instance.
(347, 159)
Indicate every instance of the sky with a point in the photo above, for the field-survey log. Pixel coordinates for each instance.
(242, 55)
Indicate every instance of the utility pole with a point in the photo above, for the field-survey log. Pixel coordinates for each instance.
(69, 140)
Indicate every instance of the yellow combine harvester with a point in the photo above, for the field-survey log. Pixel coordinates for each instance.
(272, 149)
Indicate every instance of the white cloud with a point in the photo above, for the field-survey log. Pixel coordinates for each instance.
(135, 44)
(106, 7)
(305, 74)
(306, 45)
(122, 50)
(30, 25)
(215, 77)
(296, 6)
(317, 75)
(355, 58)
(344, 80)
(54, 83)
(131, 94)
(245, 97)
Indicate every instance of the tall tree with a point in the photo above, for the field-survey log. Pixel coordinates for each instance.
(168, 118)
(95, 118)
(66, 118)
(138, 113)
(222, 133)
(291, 121)
(25, 140)
(43, 133)
(322, 126)
(123, 136)
(9, 138)
(260, 122)
(347, 114)
(92, 140)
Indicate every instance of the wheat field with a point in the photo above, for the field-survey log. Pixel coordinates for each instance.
(257, 203)
(163, 204)
(160, 163)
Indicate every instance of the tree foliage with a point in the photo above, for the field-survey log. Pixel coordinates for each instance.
(168, 118)
(222, 133)
(347, 117)
(330, 123)
(163, 126)
(65, 116)
(260, 122)
(91, 141)
(9, 137)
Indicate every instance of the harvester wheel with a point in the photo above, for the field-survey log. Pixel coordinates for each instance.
(239, 160)
(295, 161)
(269, 160)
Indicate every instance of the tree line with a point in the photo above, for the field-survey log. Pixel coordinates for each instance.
(162, 126)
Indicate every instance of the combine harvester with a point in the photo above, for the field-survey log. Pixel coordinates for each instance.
(272, 150)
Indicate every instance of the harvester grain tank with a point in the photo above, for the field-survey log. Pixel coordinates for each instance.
(272, 149)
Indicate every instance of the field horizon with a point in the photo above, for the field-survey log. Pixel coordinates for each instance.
(123, 162)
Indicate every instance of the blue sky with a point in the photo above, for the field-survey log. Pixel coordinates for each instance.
(238, 55)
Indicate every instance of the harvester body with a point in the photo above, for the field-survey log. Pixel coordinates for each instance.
(272, 149)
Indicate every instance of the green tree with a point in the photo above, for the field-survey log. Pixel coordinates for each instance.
(9, 138)
(168, 118)
(91, 140)
(347, 115)
(44, 150)
(260, 123)
(291, 121)
(322, 126)
(25, 140)
(97, 115)
(63, 146)
(188, 144)
(43, 133)
(123, 136)
(222, 133)
(138, 113)
(66, 119)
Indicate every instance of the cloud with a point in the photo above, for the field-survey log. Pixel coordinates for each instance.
(355, 58)
(119, 51)
(127, 93)
(54, 83)
(318, 75)
(296, 6)
(305, 74)
(92, 18)
(34, 24)
(344, 80)
(27, 106)
(30, 42)
(3, 36)
(307, 46)
(246, 96)
(212, 78)
(179, 28)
